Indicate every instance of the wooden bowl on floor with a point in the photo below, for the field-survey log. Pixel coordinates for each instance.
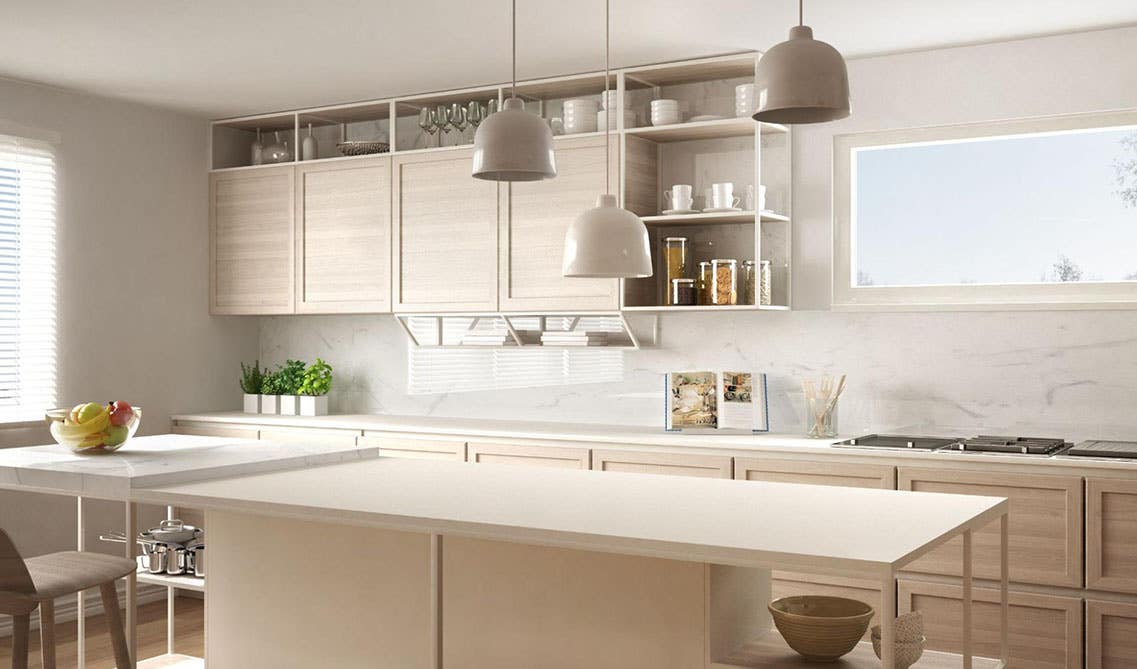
(821, 628)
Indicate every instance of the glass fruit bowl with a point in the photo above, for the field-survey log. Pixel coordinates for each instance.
(94, 428)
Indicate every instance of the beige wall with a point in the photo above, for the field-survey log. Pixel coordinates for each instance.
(133, 279)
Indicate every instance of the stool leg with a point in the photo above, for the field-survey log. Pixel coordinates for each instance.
(20, 627)
(47, 633)
(114, 625)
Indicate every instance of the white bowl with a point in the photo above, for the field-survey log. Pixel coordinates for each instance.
(580, 123)
(664, 104)
(581, 106)
(665, 119)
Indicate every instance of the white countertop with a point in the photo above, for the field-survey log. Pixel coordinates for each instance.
(849, 531)
(159, 460)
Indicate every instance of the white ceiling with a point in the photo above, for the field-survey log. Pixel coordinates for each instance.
(223, 58)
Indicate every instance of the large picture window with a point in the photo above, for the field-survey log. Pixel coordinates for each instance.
(27, 278)
(1039, 212)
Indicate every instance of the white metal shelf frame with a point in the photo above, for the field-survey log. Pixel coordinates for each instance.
(508, 320)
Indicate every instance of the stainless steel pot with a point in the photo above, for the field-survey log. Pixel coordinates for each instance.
(173, 532)
(176, 558)
(195, 551)
(154, 557)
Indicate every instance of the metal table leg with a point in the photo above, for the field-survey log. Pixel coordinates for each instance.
(1004, 605)
(80, 598)
(170, 595)
(131, 532)
(887, 622)
(967, 599)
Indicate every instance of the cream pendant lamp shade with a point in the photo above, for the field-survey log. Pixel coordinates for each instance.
(802, 80)
(512, 144)
(607, 241)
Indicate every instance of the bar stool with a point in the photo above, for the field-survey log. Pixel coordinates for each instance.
(38, 581)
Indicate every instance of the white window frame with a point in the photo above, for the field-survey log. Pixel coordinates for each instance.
(1041, 296)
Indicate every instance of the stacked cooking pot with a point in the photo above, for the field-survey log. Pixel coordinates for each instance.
(173, 548)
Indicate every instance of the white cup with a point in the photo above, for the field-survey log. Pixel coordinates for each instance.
(751, 202)
(679, 197)
(722, 196)
(744, 100)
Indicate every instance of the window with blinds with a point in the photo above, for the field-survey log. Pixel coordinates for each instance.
(466, 369)
(27, 277)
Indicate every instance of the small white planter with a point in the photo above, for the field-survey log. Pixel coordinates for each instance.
(289, 405)
(270, 404)
(252, 403)
(313, 405)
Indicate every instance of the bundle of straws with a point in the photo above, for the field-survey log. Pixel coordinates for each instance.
(822, 403)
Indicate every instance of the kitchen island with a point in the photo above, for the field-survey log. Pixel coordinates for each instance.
(412, 563)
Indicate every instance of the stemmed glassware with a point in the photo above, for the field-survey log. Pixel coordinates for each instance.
(442, 119)
(458, 120)
(475, 114)
(429, 123)
(442, 114)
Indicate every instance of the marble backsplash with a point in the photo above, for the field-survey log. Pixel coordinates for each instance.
(1035, 371)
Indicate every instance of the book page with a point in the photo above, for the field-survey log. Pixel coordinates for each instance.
(692, 400)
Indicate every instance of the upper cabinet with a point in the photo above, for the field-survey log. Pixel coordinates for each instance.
(251, 241)
(445, 234)
(533, 229)
(343, 236)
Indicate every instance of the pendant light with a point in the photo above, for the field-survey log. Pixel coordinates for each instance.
(607, 241)
(802, 80)
(512, 144)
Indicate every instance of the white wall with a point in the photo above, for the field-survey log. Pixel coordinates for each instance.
(133, 279)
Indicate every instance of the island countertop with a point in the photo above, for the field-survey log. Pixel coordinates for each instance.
(745, 523)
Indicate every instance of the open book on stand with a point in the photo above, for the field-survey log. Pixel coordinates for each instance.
(728, 401)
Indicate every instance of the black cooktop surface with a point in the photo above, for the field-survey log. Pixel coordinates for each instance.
(1020, 445)
(1095, 448)
(900, 441)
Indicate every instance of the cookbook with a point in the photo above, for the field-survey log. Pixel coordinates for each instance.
(716, 401)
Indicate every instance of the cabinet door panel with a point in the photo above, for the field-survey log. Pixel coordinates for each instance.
(674, 464)
(315, 435)
(1045, 630)
(445, 234)
(343, 245)
(564, 457)
(251, 241)
(1045, 525)
(1111, 635)
(421, 449)
(533, 233)
(849, 475)
(1111, 535)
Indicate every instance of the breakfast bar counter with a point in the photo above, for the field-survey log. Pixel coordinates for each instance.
(452, 564)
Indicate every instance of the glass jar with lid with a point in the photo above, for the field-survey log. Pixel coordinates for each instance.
(724, 281)
(705, 283)
(675, 261)
(749, 281)
(683, 292)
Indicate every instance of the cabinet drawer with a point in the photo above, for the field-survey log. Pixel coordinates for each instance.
(1111, 535)
(1045, 525)
(1045, 630)
(676, 464)
(422, 449)
(492, 453)
(789, 585)
(311, 435)
(214, 430)
(815, 472)
(1111, 635)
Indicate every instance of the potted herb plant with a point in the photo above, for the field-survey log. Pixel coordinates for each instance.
(314, 389)
(270, 392)
(291, 376)
(251, 379)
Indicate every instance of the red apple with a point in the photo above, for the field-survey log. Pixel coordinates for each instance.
(121, 413)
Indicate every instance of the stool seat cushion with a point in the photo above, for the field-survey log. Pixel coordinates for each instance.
(67, 572)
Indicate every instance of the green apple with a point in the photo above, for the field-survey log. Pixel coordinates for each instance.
(83, 413)
(116, 434)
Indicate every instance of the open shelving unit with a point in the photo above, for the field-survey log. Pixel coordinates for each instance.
(444, 331)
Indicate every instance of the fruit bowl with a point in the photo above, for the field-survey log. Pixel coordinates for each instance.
(94, 428)
(821, 628)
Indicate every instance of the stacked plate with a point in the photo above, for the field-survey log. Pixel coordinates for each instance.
(664, 112)
(477, 338)
(744, 101)
(574, 338)
(580, 115)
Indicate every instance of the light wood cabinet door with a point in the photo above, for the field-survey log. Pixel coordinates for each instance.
(1045, 525)
(1111, 635)
(343, 240)
(1045, 630)
(493, 453)
(533, 229)
(674, 464)
(251, 241)
(420, 449)
(816, 472)
(214, 430)
(310, 435)
(445, 234)
(1111, 534)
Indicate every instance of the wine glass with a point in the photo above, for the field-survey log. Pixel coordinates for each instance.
(428, 122)
(442, 113)
(475, 112)
(458, 120)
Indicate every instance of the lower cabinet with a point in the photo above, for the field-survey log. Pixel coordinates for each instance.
(1045, 630)
(214, 430)
(495, 453)
(675, 464)
(1111, 635)
(421, 449)
(816, 472)
(1111, 534)
(311, 435)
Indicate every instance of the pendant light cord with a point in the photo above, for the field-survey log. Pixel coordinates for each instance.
(607, 102)
(801, 12)
(513, 84)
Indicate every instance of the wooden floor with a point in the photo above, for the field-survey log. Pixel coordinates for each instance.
(189, 622)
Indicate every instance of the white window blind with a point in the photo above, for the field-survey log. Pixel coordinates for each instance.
(467, 369)
(27, 277)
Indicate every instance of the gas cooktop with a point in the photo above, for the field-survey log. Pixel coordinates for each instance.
(898, 441)
(1037, 446)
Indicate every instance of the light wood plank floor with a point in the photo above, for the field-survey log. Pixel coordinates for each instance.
(188, 619)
